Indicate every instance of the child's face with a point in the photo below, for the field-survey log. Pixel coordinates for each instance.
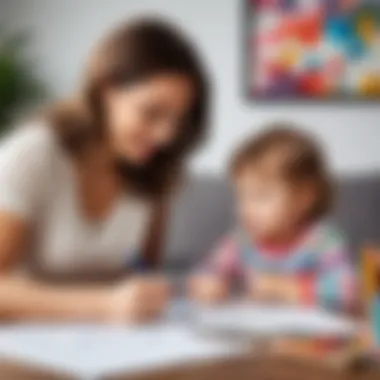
(267, 205)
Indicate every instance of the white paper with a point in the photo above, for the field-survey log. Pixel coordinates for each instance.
(264, 319)
(95, 351)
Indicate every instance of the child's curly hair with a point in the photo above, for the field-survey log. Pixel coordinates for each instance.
(295, 156)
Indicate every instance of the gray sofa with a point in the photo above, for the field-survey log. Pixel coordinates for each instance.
(203, 211)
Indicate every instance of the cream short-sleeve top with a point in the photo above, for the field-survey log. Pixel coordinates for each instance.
(37, 184)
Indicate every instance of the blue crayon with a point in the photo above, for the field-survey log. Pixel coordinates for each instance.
(375, 319)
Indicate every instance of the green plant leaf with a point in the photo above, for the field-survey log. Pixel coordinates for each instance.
(20, 86)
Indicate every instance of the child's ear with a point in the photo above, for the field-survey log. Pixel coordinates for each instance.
(307, 198)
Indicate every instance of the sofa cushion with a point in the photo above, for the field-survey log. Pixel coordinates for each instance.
(203, 211)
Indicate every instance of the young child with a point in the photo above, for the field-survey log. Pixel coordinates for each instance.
(282, 247)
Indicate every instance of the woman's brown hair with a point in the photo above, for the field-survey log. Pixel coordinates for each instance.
(299, 159)
(134, 52)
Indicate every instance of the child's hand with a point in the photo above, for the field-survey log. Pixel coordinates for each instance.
(138, 300)
(263, 287)
(289, 290)
(277, 288)
(208, 289)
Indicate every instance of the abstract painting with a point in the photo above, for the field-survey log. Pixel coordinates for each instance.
(313, 49)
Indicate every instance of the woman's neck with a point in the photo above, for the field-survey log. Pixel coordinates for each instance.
(97, 159)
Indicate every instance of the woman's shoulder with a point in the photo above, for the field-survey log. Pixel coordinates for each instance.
(26, 157)
(28, 153)
(30, 136)
(32, 143)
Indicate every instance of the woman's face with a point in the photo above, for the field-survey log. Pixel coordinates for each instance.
(146, 117)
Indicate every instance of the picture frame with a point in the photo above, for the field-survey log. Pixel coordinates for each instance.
(320, 50)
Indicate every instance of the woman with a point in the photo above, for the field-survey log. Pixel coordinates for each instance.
(82, 191)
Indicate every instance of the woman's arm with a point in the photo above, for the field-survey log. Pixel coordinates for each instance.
(24, 298)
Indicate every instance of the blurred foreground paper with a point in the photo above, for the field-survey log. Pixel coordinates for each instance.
(94, 352)
(245, 318)
(91, 352)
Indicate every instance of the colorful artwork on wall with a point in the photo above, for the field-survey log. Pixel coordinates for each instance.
(313, 49)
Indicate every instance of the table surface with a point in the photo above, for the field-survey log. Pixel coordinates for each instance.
(241, 368)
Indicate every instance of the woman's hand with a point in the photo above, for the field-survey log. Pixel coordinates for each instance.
(208, 289)
(138, 300)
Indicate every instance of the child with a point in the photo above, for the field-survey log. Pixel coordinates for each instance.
(282, 248)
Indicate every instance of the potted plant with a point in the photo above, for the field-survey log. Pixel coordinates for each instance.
(20, 87)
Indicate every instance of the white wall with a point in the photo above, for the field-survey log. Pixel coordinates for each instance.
(66, 29)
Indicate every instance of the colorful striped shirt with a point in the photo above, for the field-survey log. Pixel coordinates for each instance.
(319, 262)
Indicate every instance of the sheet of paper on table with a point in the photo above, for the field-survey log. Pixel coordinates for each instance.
(261, 319)
(92, 352)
